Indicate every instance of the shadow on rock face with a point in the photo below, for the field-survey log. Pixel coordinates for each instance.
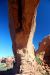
(17, 63)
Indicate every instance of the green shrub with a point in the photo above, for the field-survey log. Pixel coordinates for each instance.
(38, 60)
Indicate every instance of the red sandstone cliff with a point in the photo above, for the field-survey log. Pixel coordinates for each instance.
(20, 20)
(22, 24)
(44, 47)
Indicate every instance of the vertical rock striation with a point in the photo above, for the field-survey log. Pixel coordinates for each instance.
(22, 24)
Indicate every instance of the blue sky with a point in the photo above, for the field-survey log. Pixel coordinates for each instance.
(42, 26)
(42, 22)
(5, 40)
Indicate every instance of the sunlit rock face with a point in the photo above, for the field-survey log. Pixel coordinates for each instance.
(44, 46)
(22, 24)
(21, 13)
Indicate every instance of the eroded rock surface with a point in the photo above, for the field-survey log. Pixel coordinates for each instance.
(20, 21)
(32, 67)
(22, 24)
(44, 49)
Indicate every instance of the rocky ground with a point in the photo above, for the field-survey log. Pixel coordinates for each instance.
(29, 66)
(32, 67)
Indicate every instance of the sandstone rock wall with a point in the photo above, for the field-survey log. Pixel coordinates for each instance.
(44, 47)
(22, 24)
(20, 20)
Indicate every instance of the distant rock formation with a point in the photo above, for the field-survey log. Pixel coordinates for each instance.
(44, 47)
(22, 24)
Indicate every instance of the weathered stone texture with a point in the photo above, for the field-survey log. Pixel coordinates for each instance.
(20, 29)
(44, 46)
(22, 24)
